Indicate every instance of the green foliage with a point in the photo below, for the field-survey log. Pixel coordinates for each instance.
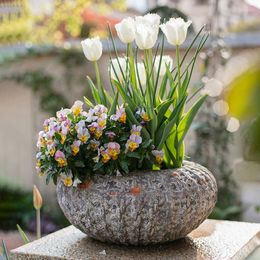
(165, 107)
(42, 84)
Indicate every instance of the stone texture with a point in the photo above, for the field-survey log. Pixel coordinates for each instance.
(144, 208)
(215, 240)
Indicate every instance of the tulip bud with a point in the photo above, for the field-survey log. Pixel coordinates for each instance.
(141, 73)
(37, 198)
(165, 62)
(126, 30)
(92, 48)
(175, 30)
(117, 67)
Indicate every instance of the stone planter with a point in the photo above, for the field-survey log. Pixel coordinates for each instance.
(144, 208)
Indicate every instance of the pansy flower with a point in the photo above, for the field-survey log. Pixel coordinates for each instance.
(110, 135)
(67, 179)
(75, 147)
(136, 130)
(83, 134)
(94, 144)
(60, 158)
(113, 149)
(158, 156)
(77, 108)
(105, 156)
(143, 114)
(133, 142)
(120, 115)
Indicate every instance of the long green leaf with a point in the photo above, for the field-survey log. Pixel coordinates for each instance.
(163, 86)
(94, 91)
(124, 95)
(162, 109)
(113, 106)
(186, 121)
(173, 119)
(23, 235)
(5, 250)
(88, 102)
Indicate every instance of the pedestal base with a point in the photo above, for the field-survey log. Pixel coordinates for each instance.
(211, 240)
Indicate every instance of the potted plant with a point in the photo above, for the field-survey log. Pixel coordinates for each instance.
(119, 166)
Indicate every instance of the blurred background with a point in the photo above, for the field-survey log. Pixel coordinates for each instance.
(42, 69)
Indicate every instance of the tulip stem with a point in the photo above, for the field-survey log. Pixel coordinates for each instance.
(178, 69)
(38, 223)
(97, 74)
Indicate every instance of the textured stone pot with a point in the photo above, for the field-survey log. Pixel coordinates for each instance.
(144, 208)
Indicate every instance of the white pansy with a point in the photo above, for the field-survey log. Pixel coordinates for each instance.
(141, 73)
(166, 62)
(116, 71)
(126, 30)
(149, 20)
(76, 182)
(175, 30)
(63, 112)
(145, 36)
(92, 48)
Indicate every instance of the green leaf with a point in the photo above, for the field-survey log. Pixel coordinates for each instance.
(147, 143)
(133, 155)
(173, 119)
(79, 164)
(124, 166)
(23, 235)
(185, 84)
(163, 86)
(113, 106)
(88, 102)
(125, 96)
(98, 166)
(5, 251)
(162, 109)
(94, 91)
(186, 121)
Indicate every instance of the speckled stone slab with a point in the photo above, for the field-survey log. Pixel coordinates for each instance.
(211, 240)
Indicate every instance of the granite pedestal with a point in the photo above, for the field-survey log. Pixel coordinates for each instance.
(211, 240)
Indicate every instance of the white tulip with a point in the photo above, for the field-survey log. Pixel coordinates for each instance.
(149, 19)
(126, 30)
(146, 30)
(141, 73)
(175, 30)
(166, 62)
(92, 48)
(116, 73)
(145, 36)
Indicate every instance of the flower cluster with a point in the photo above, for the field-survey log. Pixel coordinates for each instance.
(147, 131)
(76, 144)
